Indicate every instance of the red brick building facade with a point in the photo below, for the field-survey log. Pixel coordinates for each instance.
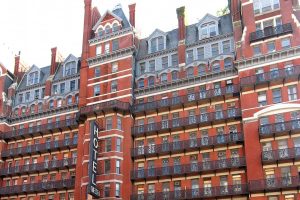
(205, 111)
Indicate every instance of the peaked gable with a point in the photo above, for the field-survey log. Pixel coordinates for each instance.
(108, 15)
(208, 18)
(156, 33)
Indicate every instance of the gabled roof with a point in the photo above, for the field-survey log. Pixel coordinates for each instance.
(207, 18)
(103, 17)
(59, 72)
(156, 33)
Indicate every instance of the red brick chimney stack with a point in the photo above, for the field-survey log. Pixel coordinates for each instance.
(132, 14)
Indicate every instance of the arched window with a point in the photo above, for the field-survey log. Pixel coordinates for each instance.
(216, 67)
(107, 30)
(164, 78)
(69, 100)
(151, 81)
(100, 32)
(228, 63)
(51, 104)
(16, 112)
(190, 72)
(141, 83)
(115, 27)
(59, 102)
(201, 70)
(77, 98)
(40, 107)
(174, 75)
(23, 110)
(32, 109)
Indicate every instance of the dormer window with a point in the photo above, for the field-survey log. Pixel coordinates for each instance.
(157, 44)
(33, 78)
(70, 68)
(209, 30)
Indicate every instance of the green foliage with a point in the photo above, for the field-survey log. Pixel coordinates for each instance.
(223, 11)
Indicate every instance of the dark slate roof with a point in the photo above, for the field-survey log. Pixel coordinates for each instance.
(119, 12)
(192, 35)
(45, 72)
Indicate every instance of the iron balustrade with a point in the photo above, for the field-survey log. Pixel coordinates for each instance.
(196, 193)
(279, 128)
(203, 118)
(271, 76)
(39, 167)
(280, 154)
(99, 107)
(269, 184)
(39, 129)
(37, 187)
(179, 100)
(270, 32)
(186, 145)
(192, 168)
(40, 148)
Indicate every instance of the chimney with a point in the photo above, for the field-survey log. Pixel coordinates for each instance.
(132, 14)
(181, 22)
(53, 60)
(17, 64)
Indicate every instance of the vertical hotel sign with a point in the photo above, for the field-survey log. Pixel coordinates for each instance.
(93, 190)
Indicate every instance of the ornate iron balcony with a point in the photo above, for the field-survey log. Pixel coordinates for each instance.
(270, 32)
(196, 193)
(271, 76)
(37, 187)
(40, 148)
(270, 184)
(184, 99)
(39, 129)
(186, 145)
(182, 170)
(281, 155)
(179, 123)
(278, 128)
(38, 167)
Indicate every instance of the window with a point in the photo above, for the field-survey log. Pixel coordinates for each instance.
(106, 166)
(157, 44)
(115, 44)
(174, 58)
(108, 123)
(36, 94)
(51, 104)
(43, 93)
(262, 98)
(285, 43)
(114, 86)
(96, 90)
(228, 63)
(70, 68)
(118, 186)
(200, 53)
(152, 66)
(142, 68)
(59, 102)
(97, 71)
(208, 30)
(114, 67)
(189, 56)
(20, 99)
(164, 78)
(271, 47)
(62, 88)
(118, 144)
(107, 30)
(72, 85)
(100, 32)
(151, 81)
(226, 46)
(106, 190)
(23, 110)
(190, 72)
(55, 90)
(118, 167)
(276, 95)
(216, 67)
(33, 78)
(106, 47)
(108, 145)
(292, 92)
(115, 27)
(256, 50)
(215, 49)
(40, 107)
(69, 100)
(261, 6)
(174, 75)
(141, 83)
(27, 96)
(119, 123)
(164, 62)
(98, 49)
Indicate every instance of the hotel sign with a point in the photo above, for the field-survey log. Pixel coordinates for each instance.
(93, 165)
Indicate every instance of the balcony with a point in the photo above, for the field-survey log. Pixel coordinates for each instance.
(186, 99)
(274, 184)
(187, 122)
(270, 32)
(281, 155)
(37, 187)
(278, 129)
(186, 145)
(40, 148)
(39, 130)
(275, 76)
(99, 108)
(38, 167)
(189, 169)
(198, 193)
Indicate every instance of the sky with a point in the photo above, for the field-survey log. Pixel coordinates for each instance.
(33, 27)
